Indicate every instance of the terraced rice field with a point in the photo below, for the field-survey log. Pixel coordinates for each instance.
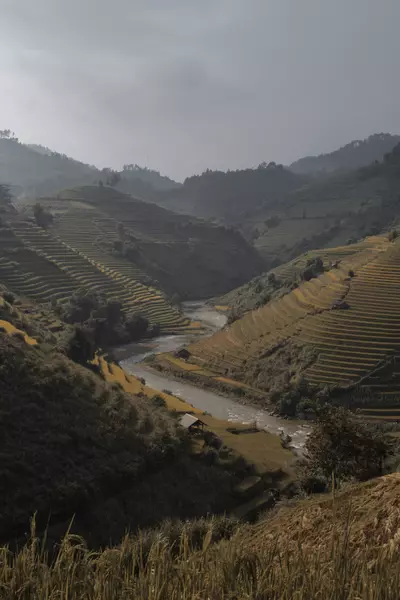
(40, 265)
(328, 255)
(359, 344)
(287, 234)
(86, 232)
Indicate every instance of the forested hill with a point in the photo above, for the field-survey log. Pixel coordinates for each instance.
(233, 194)
(30, 172)
(35, 170)
(356, 154)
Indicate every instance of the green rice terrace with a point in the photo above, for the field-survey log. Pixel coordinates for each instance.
(39, 265)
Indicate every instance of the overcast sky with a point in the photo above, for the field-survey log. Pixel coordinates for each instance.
(182, 85)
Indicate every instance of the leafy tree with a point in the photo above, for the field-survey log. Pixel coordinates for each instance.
(175, 299)
(118, 246)
(81, 347)
(342, 445)
(81, 306)
(137, 326)
(121, 231)
(112, 177)
(114, 312)
(314, 267)
(273, 221)
(43, 218)
(5, 195)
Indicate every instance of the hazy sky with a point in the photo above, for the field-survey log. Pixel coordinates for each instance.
(181, 85)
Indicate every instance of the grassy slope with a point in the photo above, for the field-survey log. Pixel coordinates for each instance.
(367, 513)
(342, 547)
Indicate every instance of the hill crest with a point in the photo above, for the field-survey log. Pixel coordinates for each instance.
(354, 155)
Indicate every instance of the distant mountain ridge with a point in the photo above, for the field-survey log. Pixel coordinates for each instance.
(36, 170)
(356, 154)
(32, 172)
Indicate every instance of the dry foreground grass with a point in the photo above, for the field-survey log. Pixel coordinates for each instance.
(344, 547)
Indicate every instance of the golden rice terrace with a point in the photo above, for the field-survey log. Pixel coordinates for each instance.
(347, 319)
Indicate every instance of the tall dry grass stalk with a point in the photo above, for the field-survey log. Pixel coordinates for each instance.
(161, 569)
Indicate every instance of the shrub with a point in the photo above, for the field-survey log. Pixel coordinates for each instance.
(158, 401)
(265, 298)
(314, 267)
(43, 218)
(342, 445)
(118, 246)
(273, 221)
(137, 326)
(81, 347)
(9, 297)
(232, 317)
(392, 235)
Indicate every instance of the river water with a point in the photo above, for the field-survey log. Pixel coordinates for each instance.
(220, 407)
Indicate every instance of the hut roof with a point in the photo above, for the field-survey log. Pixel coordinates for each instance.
(188, 420)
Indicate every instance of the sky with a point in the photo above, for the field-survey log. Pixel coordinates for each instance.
(185, 85)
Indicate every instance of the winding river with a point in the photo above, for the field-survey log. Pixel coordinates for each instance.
(219, 406)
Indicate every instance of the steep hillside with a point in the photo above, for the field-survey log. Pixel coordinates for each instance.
(340, 328)
(184, 256)
(82, 439)
(354, 155)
